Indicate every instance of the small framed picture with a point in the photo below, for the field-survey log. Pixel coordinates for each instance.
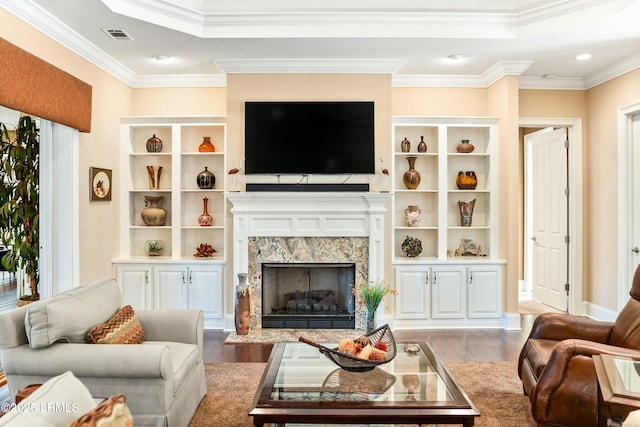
(100, 184)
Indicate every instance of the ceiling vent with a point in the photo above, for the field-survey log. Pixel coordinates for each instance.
(117, 34)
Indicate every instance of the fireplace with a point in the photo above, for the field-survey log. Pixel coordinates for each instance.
(308, 295)
(311, 229)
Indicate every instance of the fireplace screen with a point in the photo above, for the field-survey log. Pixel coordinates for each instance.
(309, 295)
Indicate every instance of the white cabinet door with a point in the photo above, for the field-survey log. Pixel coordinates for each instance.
(170, 284)
(448, 294)
(135, 285)
(205, 290)
(484, 292)
(412, 284)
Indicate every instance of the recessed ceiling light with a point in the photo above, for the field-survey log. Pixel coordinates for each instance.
(160, 57)
(583, 56)
(456, 56)
(549, 76)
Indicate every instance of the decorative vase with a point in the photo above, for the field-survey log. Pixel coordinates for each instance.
(154, 247)
(205, 220)
(154, 177)
(405, 145)
(412, 246)
(206, 146)
(206, 179)
(412, 215)
(466, 212)
(153, 214)
(465, 146)
(243, 306)
(371, 321)
(411, 177)
(466, 180)
(422, 146)
(154, 144)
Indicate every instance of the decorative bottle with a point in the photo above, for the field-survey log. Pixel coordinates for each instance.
(422, 146)
(205, 220)
(405, 145)
(154, 144)
(466, 212)
(206, 179)
(411, 178)
(206, 146)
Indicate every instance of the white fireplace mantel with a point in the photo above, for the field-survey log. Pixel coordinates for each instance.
(280, 214)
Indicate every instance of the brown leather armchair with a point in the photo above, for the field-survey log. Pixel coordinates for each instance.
(556, 367)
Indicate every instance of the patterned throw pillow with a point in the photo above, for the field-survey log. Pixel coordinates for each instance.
(123, 328)
(113, 412)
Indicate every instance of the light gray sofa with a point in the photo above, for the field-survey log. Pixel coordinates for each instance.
(162, 378)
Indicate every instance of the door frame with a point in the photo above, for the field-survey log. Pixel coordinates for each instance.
(625, 194)
(576, 304)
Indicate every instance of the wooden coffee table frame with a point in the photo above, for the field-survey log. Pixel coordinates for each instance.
(265, 411)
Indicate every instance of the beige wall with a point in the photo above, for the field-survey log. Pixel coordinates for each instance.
(601, 168)
(99, 221)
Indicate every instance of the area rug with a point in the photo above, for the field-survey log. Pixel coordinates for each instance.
(274, 335)
(493, 387)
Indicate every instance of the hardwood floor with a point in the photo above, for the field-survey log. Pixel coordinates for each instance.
(451, 345)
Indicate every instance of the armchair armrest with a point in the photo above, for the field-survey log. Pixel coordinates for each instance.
(571, 367)
(91, 360)
(560, 326)
(185, 326)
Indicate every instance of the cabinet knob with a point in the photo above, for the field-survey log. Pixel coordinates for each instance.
(636, 249)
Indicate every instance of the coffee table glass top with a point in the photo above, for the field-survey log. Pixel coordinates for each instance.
(412, 377)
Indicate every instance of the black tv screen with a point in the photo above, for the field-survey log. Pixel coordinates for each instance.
(309, 138)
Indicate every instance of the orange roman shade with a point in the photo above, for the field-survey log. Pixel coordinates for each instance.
(32, 86)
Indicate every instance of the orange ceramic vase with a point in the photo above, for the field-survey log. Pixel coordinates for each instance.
(206, 146)
(466, 180)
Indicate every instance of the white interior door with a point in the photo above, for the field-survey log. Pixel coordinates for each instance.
(635, 183)
(547, 209)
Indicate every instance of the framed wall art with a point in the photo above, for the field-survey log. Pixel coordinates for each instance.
(100, 184)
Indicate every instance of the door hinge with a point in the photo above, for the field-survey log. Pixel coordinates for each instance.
(566, 287)
(566, 191)
(567, 239)
(566, 143)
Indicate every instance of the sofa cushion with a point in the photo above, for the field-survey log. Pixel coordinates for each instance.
(123, 328)
(57, 402)
(69, 316)
(113, 412)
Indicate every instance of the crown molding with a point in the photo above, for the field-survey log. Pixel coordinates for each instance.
(557, 83)
(180, 80)
(310, 65)
(614, 70)
(486, 79)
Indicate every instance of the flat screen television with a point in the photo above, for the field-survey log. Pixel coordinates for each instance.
(309, 138)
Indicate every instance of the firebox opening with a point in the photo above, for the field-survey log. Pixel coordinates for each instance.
(308, 295)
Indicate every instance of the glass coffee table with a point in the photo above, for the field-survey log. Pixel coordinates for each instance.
(300, 385)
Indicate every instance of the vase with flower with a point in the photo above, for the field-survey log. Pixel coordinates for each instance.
(370, 295)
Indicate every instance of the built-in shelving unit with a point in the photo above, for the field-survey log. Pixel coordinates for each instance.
(438, 288)
(176, 279)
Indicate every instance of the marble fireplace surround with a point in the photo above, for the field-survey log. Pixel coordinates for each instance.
(306, 227)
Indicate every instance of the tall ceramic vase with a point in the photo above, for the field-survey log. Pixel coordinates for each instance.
(205, 220)
(411, 177)
(466, 212)
(243, 306)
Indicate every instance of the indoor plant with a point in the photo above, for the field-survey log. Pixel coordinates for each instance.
(370, 295)
(19, 199)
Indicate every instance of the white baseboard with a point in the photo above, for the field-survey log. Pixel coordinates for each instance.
(512, 322)
(600, 313)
